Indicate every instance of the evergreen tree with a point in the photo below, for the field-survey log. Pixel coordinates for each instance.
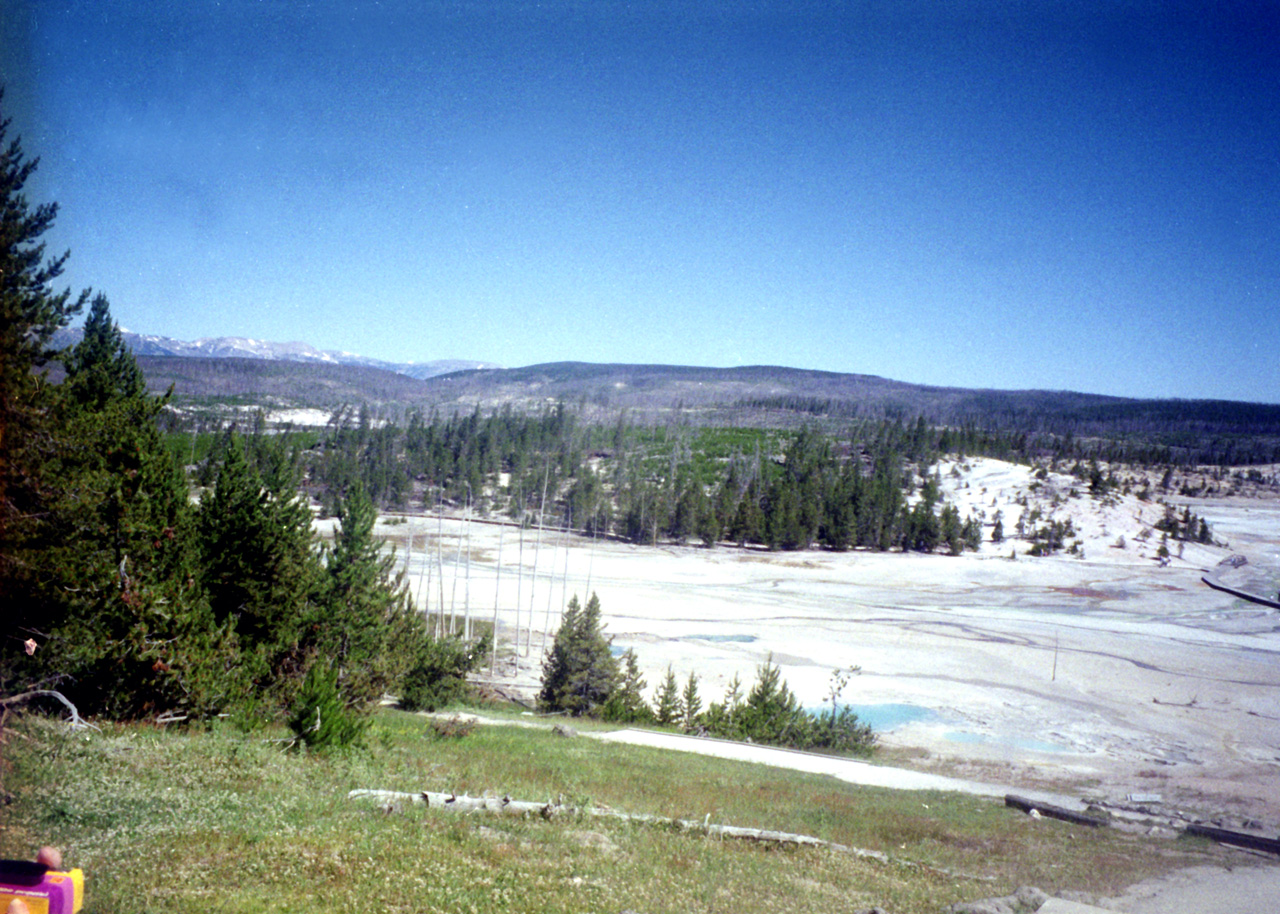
(318, 715)
(260, 566)
(626, 704)
(365, 625)
(772, 713)
(118, 599)
(668, 707)
(95, 548)
(439, 672)
(30, 313)
(951, 530)
(100, 368)
(748, 521)
(580, 672)
(691, 701)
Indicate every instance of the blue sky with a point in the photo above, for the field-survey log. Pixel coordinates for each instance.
(1052, 195)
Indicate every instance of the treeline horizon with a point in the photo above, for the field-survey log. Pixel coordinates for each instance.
(1178, 432)
(870, 487)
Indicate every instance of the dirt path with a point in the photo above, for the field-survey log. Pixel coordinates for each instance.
(1204, 890)
(850, 771)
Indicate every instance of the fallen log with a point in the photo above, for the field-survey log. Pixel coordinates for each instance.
(551, 809)
(1054, 812)
(1235, 838)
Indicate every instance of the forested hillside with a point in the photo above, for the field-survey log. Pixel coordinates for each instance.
(1148, 431)
(644, 484)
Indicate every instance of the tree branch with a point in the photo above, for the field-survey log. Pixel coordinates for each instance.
(76, 723)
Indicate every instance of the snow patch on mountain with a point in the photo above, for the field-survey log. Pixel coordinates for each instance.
(239, 347)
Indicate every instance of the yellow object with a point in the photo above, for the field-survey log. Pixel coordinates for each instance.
(77, 883)
(37, 898)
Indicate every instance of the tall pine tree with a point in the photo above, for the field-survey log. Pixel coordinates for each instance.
(580, 672)
(30, 313)
(260, 565)
(365, 626)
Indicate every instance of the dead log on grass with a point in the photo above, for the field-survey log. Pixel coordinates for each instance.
(1235, 838)
(1054, 812)
(554, 809)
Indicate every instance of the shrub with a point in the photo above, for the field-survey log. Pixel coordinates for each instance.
(318, 716)
(840, 730)
(439, 674)
(453, 728)
(772, 715)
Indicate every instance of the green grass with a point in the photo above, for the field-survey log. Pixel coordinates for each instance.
(221, 820)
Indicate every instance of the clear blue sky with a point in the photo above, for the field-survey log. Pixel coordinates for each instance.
(1001, 194)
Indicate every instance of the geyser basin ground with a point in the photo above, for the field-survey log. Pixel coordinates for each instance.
(1107, 669)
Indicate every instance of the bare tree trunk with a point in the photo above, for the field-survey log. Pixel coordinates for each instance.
(426, 555)
(440, 561)
(551, 592)
(466, 592)
(564, 578)
(497, 589)
(453, 593)
(553, 809)
(519, 589)
(537, 547)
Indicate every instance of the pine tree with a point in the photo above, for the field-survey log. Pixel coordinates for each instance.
(627, 704)
(951, 529)
(100, 368)
(669, 708)
(691, 701)
(95, 547)
(125, 621)
(364, 625)
(30, 313)
(772, 713)
(260, 566)
(580, 672)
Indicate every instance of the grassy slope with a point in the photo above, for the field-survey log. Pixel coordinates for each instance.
(224, 820)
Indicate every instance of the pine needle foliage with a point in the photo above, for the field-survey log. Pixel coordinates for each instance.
(627, 704)
(439, 674)
(669, 707)
(260, 566)
(319, 717)
(580, 673)
(365, 624)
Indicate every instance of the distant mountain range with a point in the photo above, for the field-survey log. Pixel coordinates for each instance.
(238, 347)
(238, 372)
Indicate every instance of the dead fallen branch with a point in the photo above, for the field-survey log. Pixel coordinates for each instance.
(1055, 812)
(551, 810)
(1236, 838)
(75, 723)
